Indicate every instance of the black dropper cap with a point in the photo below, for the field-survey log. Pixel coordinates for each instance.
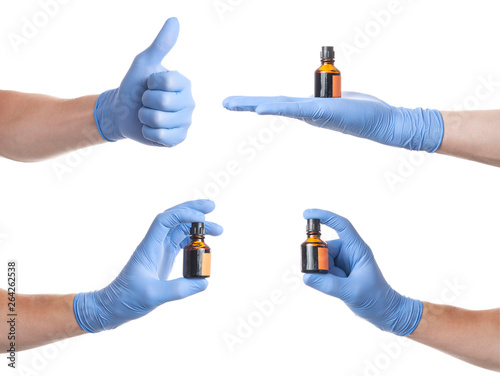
(313, 224)
(197, 228)
(327, 52)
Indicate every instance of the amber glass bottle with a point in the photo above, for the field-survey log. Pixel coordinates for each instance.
(327, 77)
(197, 254)
(314, 250)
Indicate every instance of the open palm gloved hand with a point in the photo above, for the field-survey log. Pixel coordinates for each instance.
(142, 285)
(355, 278)
(152, 106)
(356, 114)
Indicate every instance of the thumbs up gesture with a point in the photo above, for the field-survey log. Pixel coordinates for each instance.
(152, 105)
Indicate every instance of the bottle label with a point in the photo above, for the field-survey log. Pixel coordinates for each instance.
(196, 263)
(323, 258)
(327, 85)
(336, 89)
(314, 259)
(205, 266)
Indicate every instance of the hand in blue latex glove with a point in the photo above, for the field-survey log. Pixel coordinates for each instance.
(142, 284)
(355, 278)
(152, 105)
(356, 114)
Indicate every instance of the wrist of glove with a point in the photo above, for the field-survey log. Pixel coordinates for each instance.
(105, 116)
(417, 129)
(401, 315)
(90, 312)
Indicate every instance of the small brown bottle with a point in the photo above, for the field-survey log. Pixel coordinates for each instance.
(314, 250)
(327, 77)
(197, 254)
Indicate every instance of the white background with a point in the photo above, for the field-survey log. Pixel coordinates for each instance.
(74, 230)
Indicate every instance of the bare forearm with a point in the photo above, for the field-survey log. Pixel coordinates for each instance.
(472, 336)
(34, 127)
(41, 319)
(473, 135)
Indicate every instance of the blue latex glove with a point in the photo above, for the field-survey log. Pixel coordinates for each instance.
(355, 278)
(152, 105)
(142, 284)
(356, 114)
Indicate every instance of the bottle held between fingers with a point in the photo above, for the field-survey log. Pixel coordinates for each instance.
(314, 250)
(197, 254)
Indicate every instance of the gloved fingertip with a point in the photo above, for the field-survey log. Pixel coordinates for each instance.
(214, 229)
(168, 143)
(154, 135)
(199, 285)
(305, 278)
(157, 142)
(205, 200)
(322, 215)
(316, 281)
(181, 288)
(233, 104)
(308, 279)
(207, 206)
(172, 24)
(310, 213)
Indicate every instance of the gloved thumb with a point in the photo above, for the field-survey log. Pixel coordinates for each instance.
(149, 60)
(326, 283)
(163, 43)
(179, 288)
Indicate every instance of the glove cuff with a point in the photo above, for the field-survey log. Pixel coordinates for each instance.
(408, 317)
(84, 309)
(423, 126)
(104, 118)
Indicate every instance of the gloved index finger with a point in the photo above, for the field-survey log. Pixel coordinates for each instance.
(205, 206)
(171, 218)
(181, 232)
(341, 225)
(249, 103)
(171, 81)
